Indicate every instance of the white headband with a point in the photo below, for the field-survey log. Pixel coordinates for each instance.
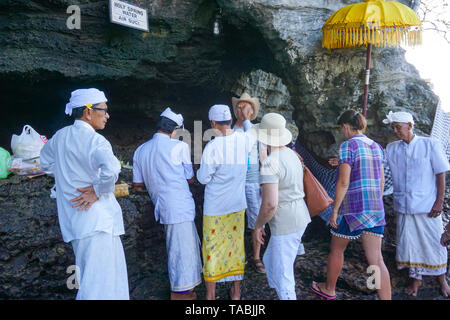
(82, 97)
(398, 117)
(177, 118)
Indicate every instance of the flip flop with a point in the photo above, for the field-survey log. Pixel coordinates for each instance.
(320, 292)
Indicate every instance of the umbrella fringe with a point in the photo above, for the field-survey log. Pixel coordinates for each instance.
(380, 37)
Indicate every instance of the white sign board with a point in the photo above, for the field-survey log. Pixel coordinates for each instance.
(128, 15)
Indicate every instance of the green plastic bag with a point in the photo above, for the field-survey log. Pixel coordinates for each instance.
(5, 163)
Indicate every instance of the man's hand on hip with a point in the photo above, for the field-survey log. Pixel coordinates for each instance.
(86, 199)
(437, 209)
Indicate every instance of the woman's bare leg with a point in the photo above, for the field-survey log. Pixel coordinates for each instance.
(372, 248)
(335, 263)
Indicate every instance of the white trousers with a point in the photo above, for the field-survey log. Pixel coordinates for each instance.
(279, 259)
(102, 266)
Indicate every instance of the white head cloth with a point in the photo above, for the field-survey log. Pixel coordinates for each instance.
(219, 112)
(82, 97)
(400, 116)
(177, 118)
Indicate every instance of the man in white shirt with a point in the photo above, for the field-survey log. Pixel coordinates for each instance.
(164, 166)
(418, 166)
(223, 170)
(86, 170)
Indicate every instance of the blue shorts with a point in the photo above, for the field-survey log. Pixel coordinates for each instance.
(343, 230)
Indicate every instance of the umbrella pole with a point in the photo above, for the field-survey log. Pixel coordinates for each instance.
(366, 82)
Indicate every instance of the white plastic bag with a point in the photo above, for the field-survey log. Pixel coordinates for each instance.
(28, 145)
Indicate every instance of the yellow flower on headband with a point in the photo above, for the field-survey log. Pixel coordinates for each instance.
(88, 105)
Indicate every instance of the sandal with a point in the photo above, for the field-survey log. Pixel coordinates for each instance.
(320, 292)
(259, 266)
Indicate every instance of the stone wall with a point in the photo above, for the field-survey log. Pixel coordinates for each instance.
(180, 63)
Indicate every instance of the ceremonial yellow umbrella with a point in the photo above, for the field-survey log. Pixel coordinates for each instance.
(372, 23)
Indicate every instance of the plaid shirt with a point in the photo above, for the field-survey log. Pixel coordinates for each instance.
(362, 206)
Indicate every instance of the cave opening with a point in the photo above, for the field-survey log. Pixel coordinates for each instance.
(38, 98)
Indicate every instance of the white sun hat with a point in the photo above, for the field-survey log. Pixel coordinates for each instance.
(272, 130)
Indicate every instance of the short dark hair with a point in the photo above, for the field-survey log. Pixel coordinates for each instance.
(223, 123)
(77, 113)
(166, 125)
(354, 119)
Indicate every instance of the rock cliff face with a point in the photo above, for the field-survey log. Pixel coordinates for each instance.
(180, 63)
(323, 83)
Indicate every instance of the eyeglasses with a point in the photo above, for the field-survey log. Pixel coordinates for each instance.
(105, 111)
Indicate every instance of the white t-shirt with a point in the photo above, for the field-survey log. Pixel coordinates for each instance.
(164, 165)
(414, 167)
(283, 167)
(223, 170)
(79, 158)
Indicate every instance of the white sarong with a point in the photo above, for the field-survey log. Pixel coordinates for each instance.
(279, 259)
(103, 270)
(418, 245)
(183, 251)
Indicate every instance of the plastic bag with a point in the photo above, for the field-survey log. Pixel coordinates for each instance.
(28, 145)
(5, 163)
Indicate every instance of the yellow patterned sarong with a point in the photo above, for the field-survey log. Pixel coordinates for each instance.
(223, 245)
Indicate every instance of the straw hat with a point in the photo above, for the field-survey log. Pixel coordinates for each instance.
(247, 98)
(272, 130)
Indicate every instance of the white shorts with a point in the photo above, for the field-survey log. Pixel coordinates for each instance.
(253, 196)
